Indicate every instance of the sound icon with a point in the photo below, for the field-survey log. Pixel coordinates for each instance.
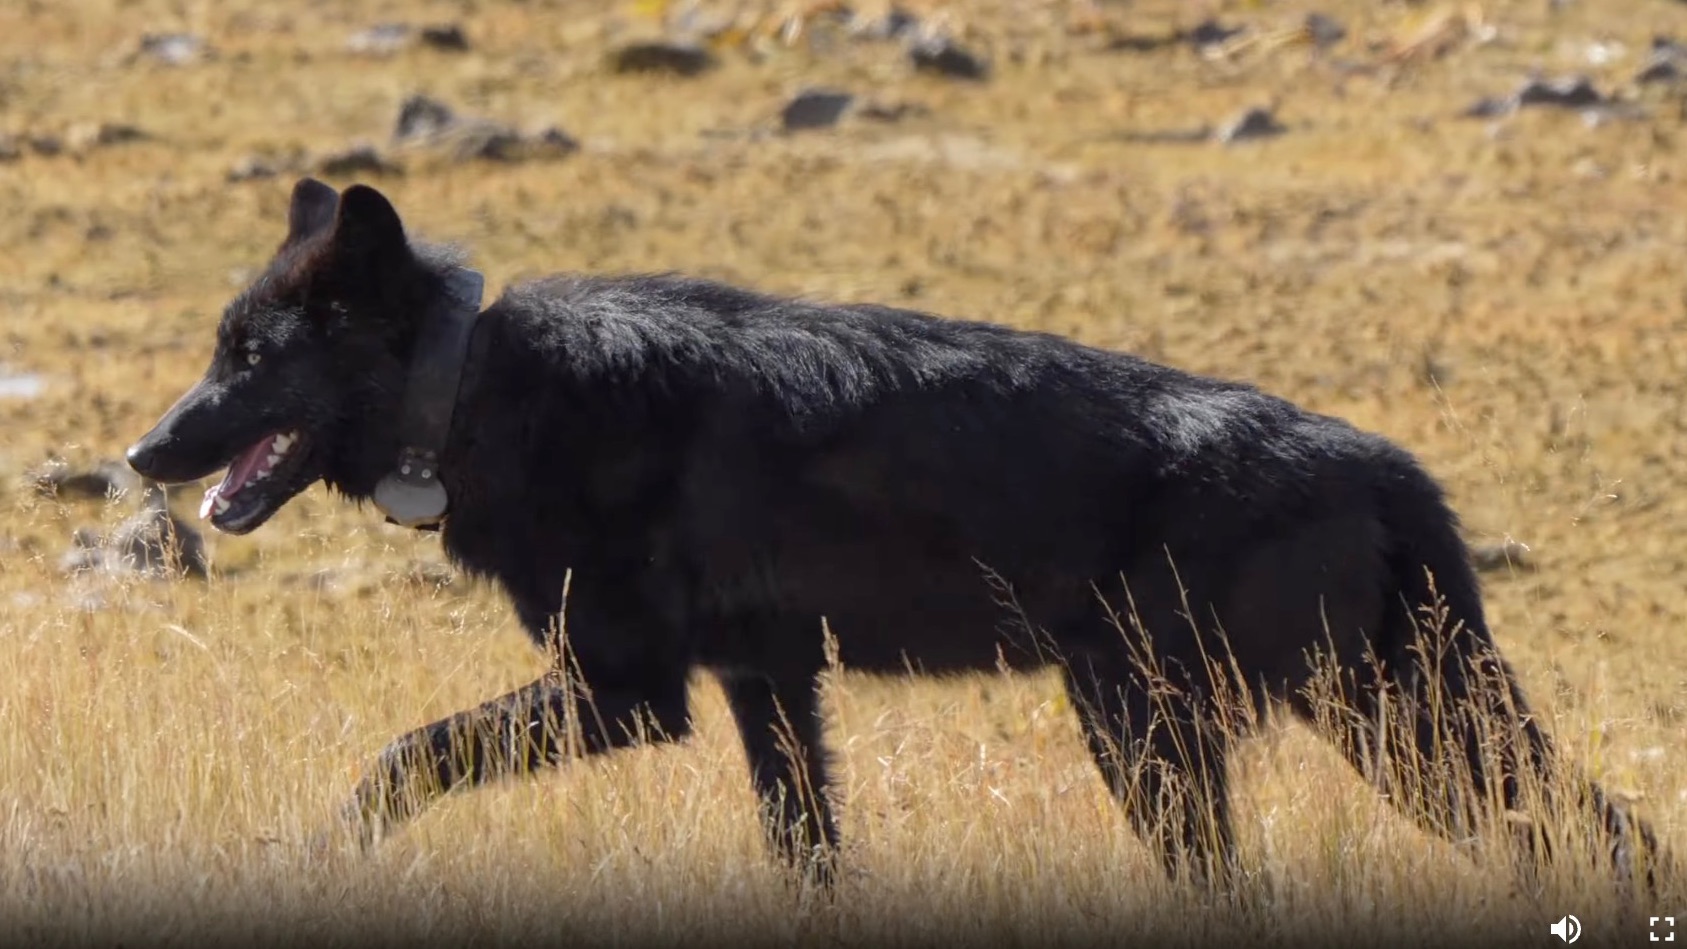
(1568, 929)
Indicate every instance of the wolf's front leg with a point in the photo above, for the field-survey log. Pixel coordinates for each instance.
(536, 726)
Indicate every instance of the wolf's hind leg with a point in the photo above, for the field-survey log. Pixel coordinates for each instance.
(1443, 740)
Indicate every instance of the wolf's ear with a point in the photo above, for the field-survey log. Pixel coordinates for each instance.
(367, 230)
(311, 211)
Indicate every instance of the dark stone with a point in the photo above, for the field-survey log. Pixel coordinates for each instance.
(422, 117)
(483, 139)
(1568, 92)
(1211, 33)
(101, 134)
(386, 39)
(355, 160)
(252, 168)
(446, 37)
(1254, 123)
(152, 542)
(427, 122)
(1325, 30)
(815, 108)
(1144, 42)
(1666, 63)
(1489, 107)
(679, 59)
(554, 141)
(941, 56)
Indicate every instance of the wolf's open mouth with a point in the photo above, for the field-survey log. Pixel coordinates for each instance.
(247, 496)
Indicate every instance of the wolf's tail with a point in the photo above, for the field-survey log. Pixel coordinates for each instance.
(1465, 707)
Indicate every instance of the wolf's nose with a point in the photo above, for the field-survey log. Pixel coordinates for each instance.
(140, 457)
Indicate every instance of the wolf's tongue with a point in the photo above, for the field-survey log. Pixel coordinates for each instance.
(240, 472)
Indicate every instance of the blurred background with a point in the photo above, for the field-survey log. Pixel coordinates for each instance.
(1458, 224)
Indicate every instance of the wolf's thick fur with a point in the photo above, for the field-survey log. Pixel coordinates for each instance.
(723, 470)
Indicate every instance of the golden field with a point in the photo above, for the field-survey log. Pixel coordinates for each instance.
(1503, 296)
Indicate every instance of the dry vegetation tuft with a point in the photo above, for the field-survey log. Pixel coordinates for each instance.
(1503, 296)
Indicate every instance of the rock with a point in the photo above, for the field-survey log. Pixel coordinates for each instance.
(679, 59)
(1251, 124)
(421, 118)
(153, 542)
(1210, 32)
(446, 37)
(104, 479)
(1487, 558)
(387, 39)
(254, 167)
(86, 135)
(10, 150)
(1666, 63)
(892, 111)
(941, 56)
(1145, 42)
(1565, 92)
(1569, 92)
(354, 160)
(156, 541)
(171, 49)
(1489, 107)
(46, 145)
(483, 139)
(382, 39)
(815, 108)
(425, 122)
(550, 141)
(895, 23)
(1325, 31)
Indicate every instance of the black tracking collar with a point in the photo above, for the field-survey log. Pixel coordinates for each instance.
(410, 495)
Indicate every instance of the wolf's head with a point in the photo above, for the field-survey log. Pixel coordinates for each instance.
(307, 375)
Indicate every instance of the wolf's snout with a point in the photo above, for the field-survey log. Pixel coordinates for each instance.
(180, 446)
(158, 456)
(143, 457)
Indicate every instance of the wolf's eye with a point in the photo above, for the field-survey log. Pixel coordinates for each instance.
(252, 359)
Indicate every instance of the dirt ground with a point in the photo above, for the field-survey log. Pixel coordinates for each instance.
(1501, 294)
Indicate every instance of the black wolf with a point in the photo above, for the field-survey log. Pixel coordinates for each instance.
(721, 476)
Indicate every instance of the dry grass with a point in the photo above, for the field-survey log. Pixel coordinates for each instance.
(1503, 298)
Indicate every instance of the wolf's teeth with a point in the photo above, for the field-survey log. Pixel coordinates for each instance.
(222, 505)
(273, 459)
(282, 443)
